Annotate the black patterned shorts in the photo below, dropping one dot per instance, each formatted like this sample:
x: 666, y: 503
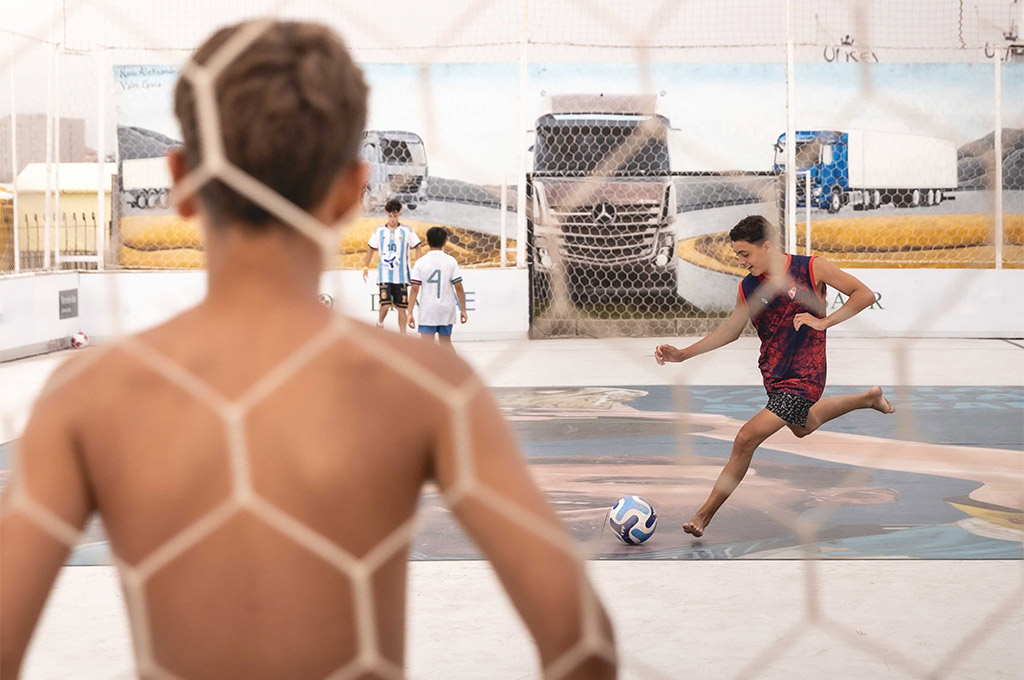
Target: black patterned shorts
x: 396, y: 294
x: 790, y: 407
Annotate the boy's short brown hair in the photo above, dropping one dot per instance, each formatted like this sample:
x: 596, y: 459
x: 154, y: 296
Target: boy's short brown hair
x: 292, y: 108
x: 754, y: 229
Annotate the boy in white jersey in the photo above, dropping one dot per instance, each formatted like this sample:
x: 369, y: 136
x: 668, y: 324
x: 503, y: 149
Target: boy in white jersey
x: 394, y: 243
x: 438, y: 274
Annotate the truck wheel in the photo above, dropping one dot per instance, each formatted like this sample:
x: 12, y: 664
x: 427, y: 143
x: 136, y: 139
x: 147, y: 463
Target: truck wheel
x: 931, y: 197
x: 876, y: 201
x: 939, y: 197
x: 835, y: 200
x: 864, y: 202
x: 410, y: 206
x: 915, y: 198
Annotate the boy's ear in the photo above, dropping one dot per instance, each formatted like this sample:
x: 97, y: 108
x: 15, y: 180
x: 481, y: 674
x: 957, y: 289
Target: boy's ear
x: 186, y: 205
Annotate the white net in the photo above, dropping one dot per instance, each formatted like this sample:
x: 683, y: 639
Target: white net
x: 604, y: 154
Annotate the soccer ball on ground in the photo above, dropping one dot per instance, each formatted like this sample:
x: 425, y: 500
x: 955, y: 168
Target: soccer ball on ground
x: 79, y: 340
x: 633, y: 519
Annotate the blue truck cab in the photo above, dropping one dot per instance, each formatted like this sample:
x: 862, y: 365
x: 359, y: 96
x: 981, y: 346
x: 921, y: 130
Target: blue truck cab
x: 869, y: 168
x: 824, y: 154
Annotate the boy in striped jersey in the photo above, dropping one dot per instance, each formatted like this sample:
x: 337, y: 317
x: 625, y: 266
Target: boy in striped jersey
x: 784, y: 297
x: 438, y: 274
x: 394, y: 243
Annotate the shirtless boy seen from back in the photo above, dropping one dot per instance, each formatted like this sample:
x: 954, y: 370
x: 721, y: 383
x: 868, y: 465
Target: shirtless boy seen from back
x: 256, y: 494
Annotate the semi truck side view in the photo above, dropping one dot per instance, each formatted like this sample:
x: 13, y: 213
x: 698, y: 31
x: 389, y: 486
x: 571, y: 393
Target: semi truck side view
x: 602, y: 200
x: 866, y: 169
x: 397, y: 168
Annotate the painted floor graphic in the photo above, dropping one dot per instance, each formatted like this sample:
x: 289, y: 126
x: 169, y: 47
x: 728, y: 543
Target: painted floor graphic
x: 943, y: 478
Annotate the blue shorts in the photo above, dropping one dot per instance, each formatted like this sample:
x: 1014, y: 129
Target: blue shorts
x: 440, y: 330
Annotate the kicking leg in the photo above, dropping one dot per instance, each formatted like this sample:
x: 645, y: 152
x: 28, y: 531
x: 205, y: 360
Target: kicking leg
x: 382, y: 314
x: 833, y: 407
x: 750, y: 436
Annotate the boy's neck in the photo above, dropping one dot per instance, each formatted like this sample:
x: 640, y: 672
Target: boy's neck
x: 777, y: 263
x: 251, y: 270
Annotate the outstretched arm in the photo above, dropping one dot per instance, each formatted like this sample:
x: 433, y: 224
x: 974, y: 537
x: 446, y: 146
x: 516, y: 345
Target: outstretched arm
x: 728, y: 332
x: 46, y: 504
x: 860, y: 297
x: 485, y: 479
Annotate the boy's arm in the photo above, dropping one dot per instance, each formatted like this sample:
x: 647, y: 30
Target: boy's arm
x: 730, y: 330
x: 366, y: 262
x: 860, y: 297
x: 481, y: 472
x: 460, y: 293
x: 43, y: 510
x: 414, y: 291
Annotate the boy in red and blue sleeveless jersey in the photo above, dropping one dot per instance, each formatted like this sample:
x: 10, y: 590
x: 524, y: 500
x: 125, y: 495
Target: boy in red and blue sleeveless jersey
x: 784, y: 297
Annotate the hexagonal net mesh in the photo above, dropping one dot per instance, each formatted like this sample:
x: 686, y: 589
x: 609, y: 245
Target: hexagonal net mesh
x: 606, y: 153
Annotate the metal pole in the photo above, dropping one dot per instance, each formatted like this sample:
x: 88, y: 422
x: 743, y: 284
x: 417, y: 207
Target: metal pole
x: 48, y: 216
x: 101, y: 161
x: 807, y: 212
x: 790, y: 138
x: 14, y: 164
x: 521, y: 143
x: 504, y: 219
x: 60, y: 230
x: 997, y: 63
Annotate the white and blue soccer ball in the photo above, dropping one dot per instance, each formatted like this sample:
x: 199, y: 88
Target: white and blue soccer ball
x: 633, y: 520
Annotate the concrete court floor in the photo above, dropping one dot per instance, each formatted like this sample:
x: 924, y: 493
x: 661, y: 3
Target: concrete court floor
x: 769, y: 618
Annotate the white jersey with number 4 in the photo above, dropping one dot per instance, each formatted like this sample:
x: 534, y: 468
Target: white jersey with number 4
x: 437, y: 272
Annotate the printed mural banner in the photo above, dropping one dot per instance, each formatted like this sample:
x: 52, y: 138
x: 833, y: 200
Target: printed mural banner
x: 464, y: 198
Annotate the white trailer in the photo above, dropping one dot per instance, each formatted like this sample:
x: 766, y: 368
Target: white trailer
x: 892, y: 160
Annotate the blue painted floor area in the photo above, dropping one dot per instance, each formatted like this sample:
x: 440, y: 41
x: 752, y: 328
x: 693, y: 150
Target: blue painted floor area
x: 590, y: 446
x: 964, y: 416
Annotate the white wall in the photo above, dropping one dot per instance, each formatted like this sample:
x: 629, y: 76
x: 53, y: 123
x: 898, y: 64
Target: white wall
x: 30, y: 313
x: 912, y: 303
x: 497, y: 301
x: 115, y: 303
x: 969, y: 303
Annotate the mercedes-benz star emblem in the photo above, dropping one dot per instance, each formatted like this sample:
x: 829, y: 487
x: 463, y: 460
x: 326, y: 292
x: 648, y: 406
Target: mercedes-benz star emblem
x: 604, y: 213
x: 325, y: 299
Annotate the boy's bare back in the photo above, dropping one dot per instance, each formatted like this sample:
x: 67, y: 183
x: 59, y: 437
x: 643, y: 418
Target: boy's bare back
x: 257, y: 460
x: 242, y: 474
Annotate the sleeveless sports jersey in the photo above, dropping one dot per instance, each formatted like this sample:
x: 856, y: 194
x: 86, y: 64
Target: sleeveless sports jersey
x: 791, y: 361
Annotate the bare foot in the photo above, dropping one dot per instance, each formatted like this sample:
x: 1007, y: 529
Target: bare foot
x: 878, y: 400
x: 696, y: 527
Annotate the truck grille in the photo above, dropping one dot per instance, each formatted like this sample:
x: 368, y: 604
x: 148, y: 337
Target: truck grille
x: 606, y: 233
x: 406, y: 184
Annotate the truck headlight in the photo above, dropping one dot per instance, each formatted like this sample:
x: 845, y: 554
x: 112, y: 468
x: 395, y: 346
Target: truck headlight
x: 816, y: 191
x: 544, y: 257
x: 663, y: 256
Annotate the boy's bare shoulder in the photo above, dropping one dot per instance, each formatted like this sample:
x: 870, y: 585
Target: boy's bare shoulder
x: 93, y: 376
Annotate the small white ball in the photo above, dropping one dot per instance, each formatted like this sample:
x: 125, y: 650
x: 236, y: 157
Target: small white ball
x: 79, y: 340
